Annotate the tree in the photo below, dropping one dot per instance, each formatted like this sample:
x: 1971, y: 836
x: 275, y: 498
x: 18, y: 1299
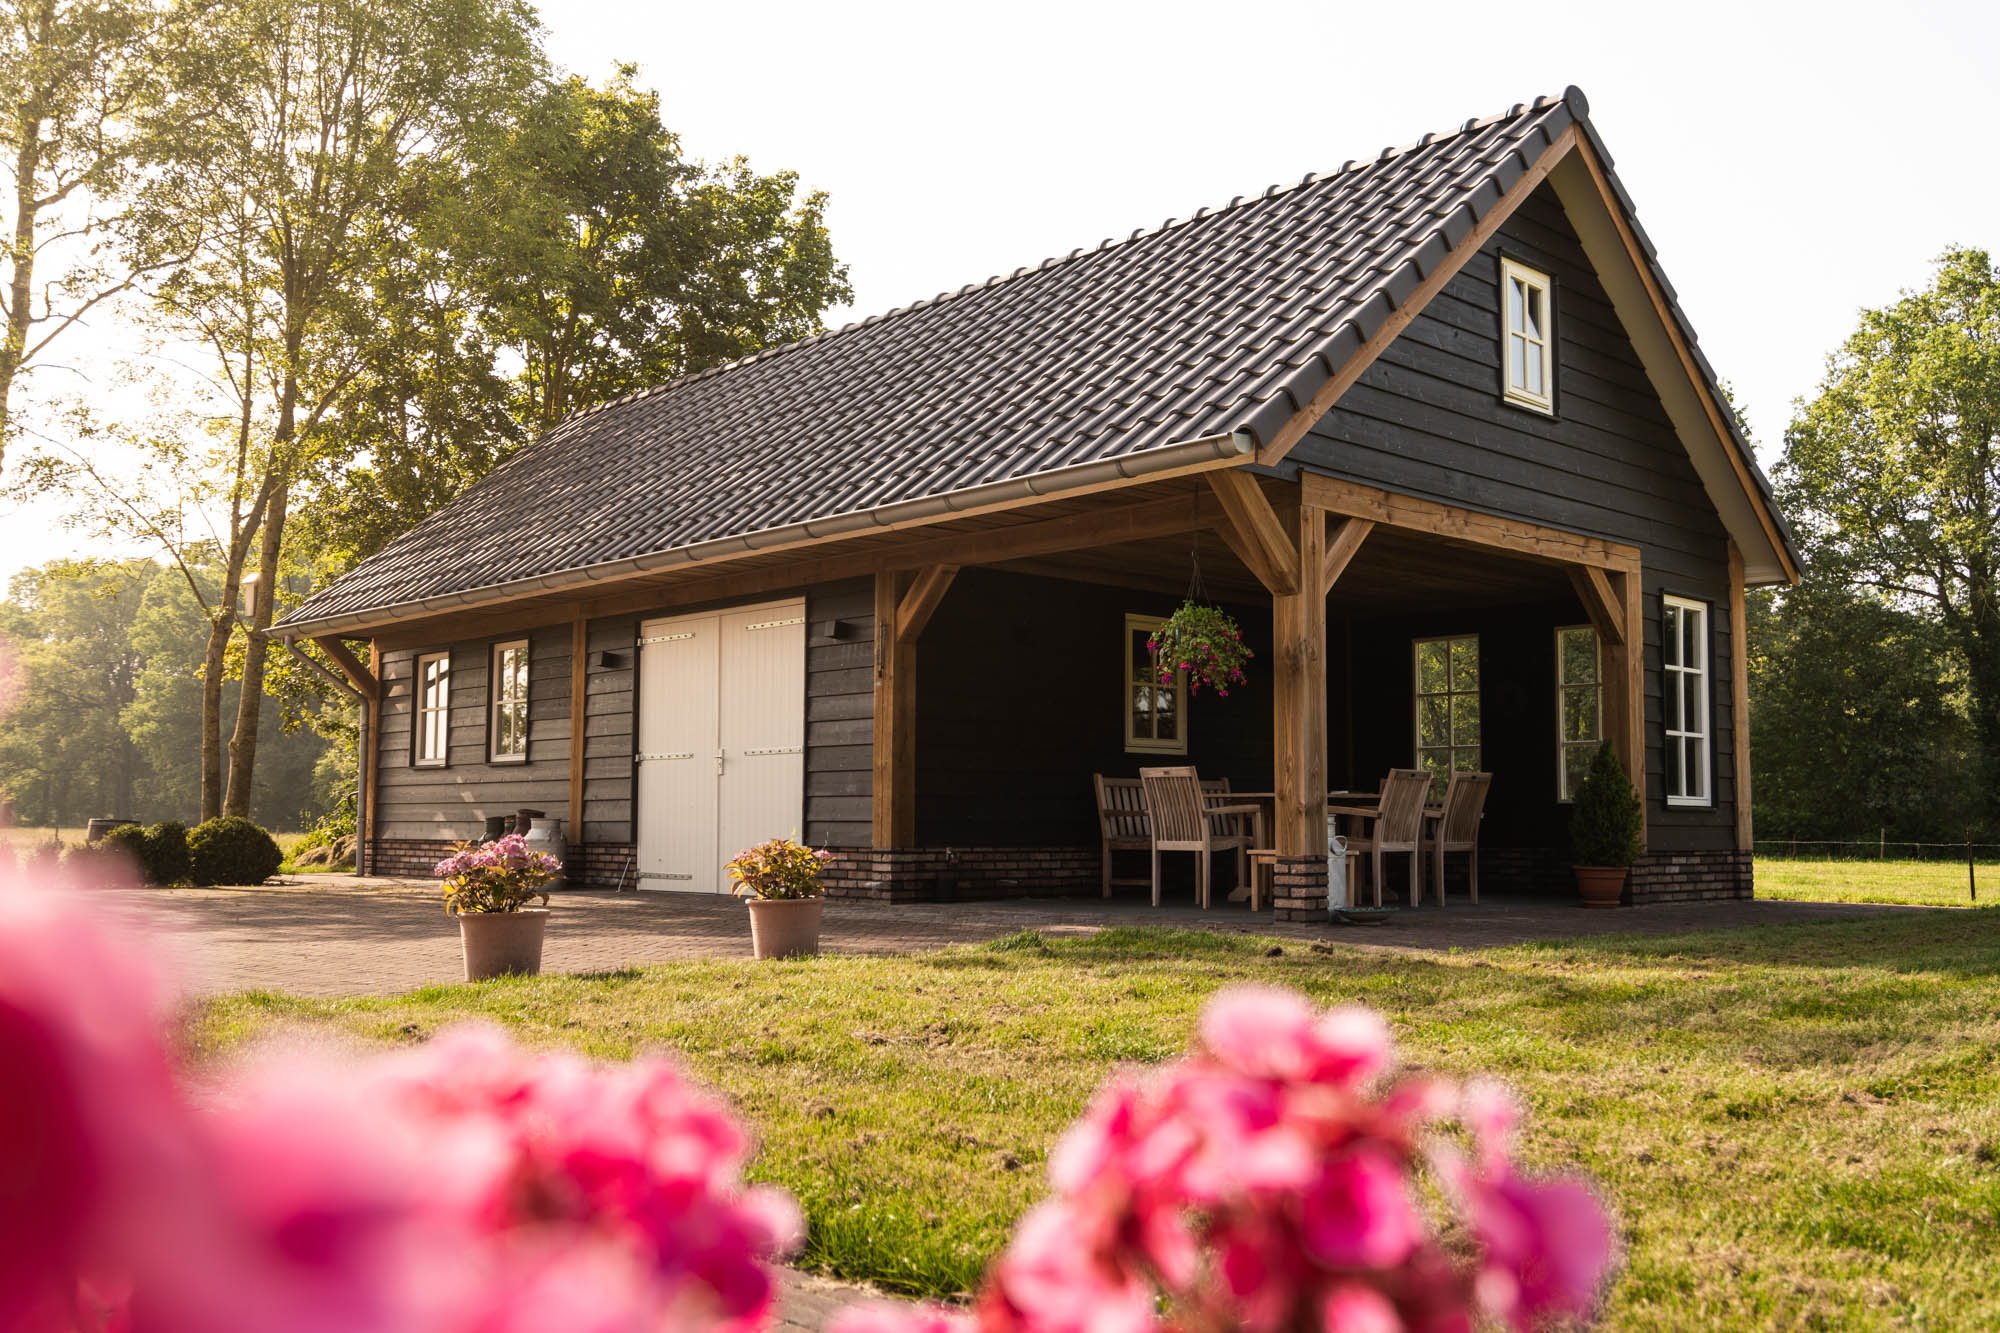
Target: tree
x: 1892, y: 473
x: 613, y: 263
x: 329, y: 113
x: 86, y: 100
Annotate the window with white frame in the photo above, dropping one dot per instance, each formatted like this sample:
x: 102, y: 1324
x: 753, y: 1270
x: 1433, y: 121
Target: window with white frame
x: 1155, y: 710
x: 1529, y: 336
x: 507, y: 726
x: 1684, y: 699
x: 433, y: 720
x: 1447, y: 688
x: 1579, y: 706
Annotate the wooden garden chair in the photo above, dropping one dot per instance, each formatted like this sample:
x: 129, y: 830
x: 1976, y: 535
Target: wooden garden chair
x: 1395, y: 827
x: 1184, y: 819
x: 1456, y: 828
x: 1121, y: 823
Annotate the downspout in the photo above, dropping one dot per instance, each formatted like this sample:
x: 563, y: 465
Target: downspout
x: 1189, y: 454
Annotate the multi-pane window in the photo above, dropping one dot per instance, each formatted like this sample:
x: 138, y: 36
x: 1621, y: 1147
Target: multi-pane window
x: 1579, y: 706
x: 1529, y: 336
x: 1155, y: 712
x: 1684, y: 699
x: 433, y: 720
x: 507, y: 728
x: 1448, y: 707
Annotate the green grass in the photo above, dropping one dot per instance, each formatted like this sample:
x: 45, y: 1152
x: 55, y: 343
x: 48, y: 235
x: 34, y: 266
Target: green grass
x: 1917, y: 883
x: 1795, y: 1126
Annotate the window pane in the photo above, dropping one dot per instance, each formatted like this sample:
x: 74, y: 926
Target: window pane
x: 1434, y: 720
x: 1515, y: 319
x: 1691, y: 718
x: 1536, y: 384
x: 1517, y: 374
x: 1671, y: 755
x: 1691, y: 765
x: 1142, y: 657
x: 1433, y: 667
x: 1166, y: 714
x: 1691, y: 638
x: 1466, y: 761
x: 1465, y: 665
x: 1579, y: 656
x: 1142, y: 712
x: 1465, y: 719
x: 1670, y: 636
x: 1579, y: 713
x: 1576, y: 762
x: 1534, y: 304
x: 1435, y: 762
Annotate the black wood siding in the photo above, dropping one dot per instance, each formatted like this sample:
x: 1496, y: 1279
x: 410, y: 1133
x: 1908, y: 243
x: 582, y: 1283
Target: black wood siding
x: 1427, y: 419
x: 840, y: 714
x: 454, y: 801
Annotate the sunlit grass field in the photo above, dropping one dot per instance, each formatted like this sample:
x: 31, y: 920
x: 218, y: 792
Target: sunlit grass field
x: 1919, y: 883
x: 1795, y: 1125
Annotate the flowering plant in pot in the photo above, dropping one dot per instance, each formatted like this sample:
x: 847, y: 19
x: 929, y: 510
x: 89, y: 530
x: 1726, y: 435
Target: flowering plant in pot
x: 488, y: 886
x: 1205, y: 642
x: 1605, y: 827
x: 780, y: 878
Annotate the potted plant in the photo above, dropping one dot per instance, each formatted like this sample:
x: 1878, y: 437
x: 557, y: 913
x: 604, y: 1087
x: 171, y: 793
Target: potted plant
x: 487, y: 886
x: 1205, y: 642
x: 781, y: 881
x: 1604, y: 831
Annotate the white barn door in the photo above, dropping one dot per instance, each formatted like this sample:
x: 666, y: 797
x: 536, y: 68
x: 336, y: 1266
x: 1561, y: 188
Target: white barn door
x: 721, y: 740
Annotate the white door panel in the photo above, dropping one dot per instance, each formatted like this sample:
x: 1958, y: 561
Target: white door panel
x: 679, y: 667
x: 721, y: 740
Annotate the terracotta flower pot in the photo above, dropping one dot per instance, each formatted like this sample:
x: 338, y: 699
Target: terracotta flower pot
x: 1601, y: 886
x: 498, y: 943
x: 784, y: 927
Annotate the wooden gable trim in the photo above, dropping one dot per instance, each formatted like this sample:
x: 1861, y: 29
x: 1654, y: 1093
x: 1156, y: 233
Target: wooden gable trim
x: 1711, y: 406
x: 1302, y: 421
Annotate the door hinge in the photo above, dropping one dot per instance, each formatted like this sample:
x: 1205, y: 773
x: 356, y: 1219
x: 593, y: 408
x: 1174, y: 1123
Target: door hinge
x: 662, y: 874
x: 776, y: 624
x: 642, y: 758
x: 783, y: 749
x: 666, y: 638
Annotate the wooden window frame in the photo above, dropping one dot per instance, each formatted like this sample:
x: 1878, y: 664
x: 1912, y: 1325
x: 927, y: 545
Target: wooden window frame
x: 494, y: 702
x: 1135, y: 674
x: 419, y: 687
x: 1535, y: 399
x: 1418, y: 694
x: 1704, y: 673
x: 1563, y: 743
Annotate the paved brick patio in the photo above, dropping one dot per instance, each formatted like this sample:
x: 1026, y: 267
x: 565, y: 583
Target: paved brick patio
x: 345, y: 936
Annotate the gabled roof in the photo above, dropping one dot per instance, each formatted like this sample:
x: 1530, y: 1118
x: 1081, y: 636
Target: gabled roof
x: 1216, y: 329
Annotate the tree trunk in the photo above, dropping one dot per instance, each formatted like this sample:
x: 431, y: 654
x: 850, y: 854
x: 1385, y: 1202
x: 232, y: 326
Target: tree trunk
x: 21, y: 282
x: 250, y: 701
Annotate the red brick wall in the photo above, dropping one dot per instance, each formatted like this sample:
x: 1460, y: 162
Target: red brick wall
x: 940, y: 874
x: 1681, y: 877
x: 1299, y: 888
x: 594, y: 866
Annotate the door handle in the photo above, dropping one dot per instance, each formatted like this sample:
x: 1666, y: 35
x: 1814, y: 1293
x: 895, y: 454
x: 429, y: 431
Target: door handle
x: 718, y: 763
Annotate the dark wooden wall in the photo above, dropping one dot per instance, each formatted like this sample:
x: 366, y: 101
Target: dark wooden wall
x: 454, y: 801
x: 840, y: 714
x: 1427, y: 419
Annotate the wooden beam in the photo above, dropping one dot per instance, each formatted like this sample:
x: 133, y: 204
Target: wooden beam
x: 1739, y: 694
x: 922, y: 600
x: 364, y: 680
x: 1710, y: 406
x: 369, y: 763
x: 1261, y: 540
x: 1529, y: 541
x: 1307, y: 417
x: 894, y: 787
x: 1600, y: 601
x: 1341, y: 545
x: 579, y: 681
x: 1625, y: 680
x: 1298, y: 624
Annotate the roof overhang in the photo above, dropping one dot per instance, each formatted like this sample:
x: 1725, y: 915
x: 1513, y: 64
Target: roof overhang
x: 1186, y: 457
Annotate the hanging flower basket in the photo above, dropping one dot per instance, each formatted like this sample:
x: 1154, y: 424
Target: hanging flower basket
x: 1203, y: 641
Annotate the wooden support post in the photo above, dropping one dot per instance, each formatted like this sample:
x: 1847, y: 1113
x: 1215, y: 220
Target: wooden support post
x: 369, y: 764
x: 1298, y: 623
x: 579, y: 680
x: 895, y: 775
x: 1739, y: 693
x: 1625, y: 673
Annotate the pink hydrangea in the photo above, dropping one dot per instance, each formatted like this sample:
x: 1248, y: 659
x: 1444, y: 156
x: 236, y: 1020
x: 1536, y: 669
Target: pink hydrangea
x: 1269, y: 1182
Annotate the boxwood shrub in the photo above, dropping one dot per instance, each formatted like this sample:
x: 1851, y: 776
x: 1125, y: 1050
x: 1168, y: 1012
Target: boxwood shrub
x: 232, y: 850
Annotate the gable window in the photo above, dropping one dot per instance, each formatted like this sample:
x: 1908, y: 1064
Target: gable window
x: 1684, y: 699
x: 507, y: 727
x: 1529, y: 336
x: 1447, y: 707
x: 433, y: 729
x: 1579, y: 706
x: 1155, y: 713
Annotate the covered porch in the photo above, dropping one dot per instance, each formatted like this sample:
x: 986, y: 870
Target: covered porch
x: 1387, y: 632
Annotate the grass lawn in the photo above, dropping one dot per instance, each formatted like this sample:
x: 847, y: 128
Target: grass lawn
x: 1796, y: 1126
x: 1920, y: 883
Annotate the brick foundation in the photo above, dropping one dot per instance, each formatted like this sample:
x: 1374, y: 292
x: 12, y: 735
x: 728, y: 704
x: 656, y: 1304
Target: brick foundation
x: 948, y: 874
x: 1298, y: 890
x: 1686, y: 877
x: 596, y: 866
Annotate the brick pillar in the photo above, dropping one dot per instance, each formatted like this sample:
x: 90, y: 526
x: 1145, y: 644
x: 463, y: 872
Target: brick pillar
x: 1299, y: 889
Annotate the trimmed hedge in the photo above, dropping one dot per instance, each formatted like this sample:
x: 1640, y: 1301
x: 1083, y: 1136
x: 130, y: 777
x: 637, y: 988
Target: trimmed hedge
x: 232, y: 850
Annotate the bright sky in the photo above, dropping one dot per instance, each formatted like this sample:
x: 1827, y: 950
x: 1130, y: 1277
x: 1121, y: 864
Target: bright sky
x: 1792, y: 163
